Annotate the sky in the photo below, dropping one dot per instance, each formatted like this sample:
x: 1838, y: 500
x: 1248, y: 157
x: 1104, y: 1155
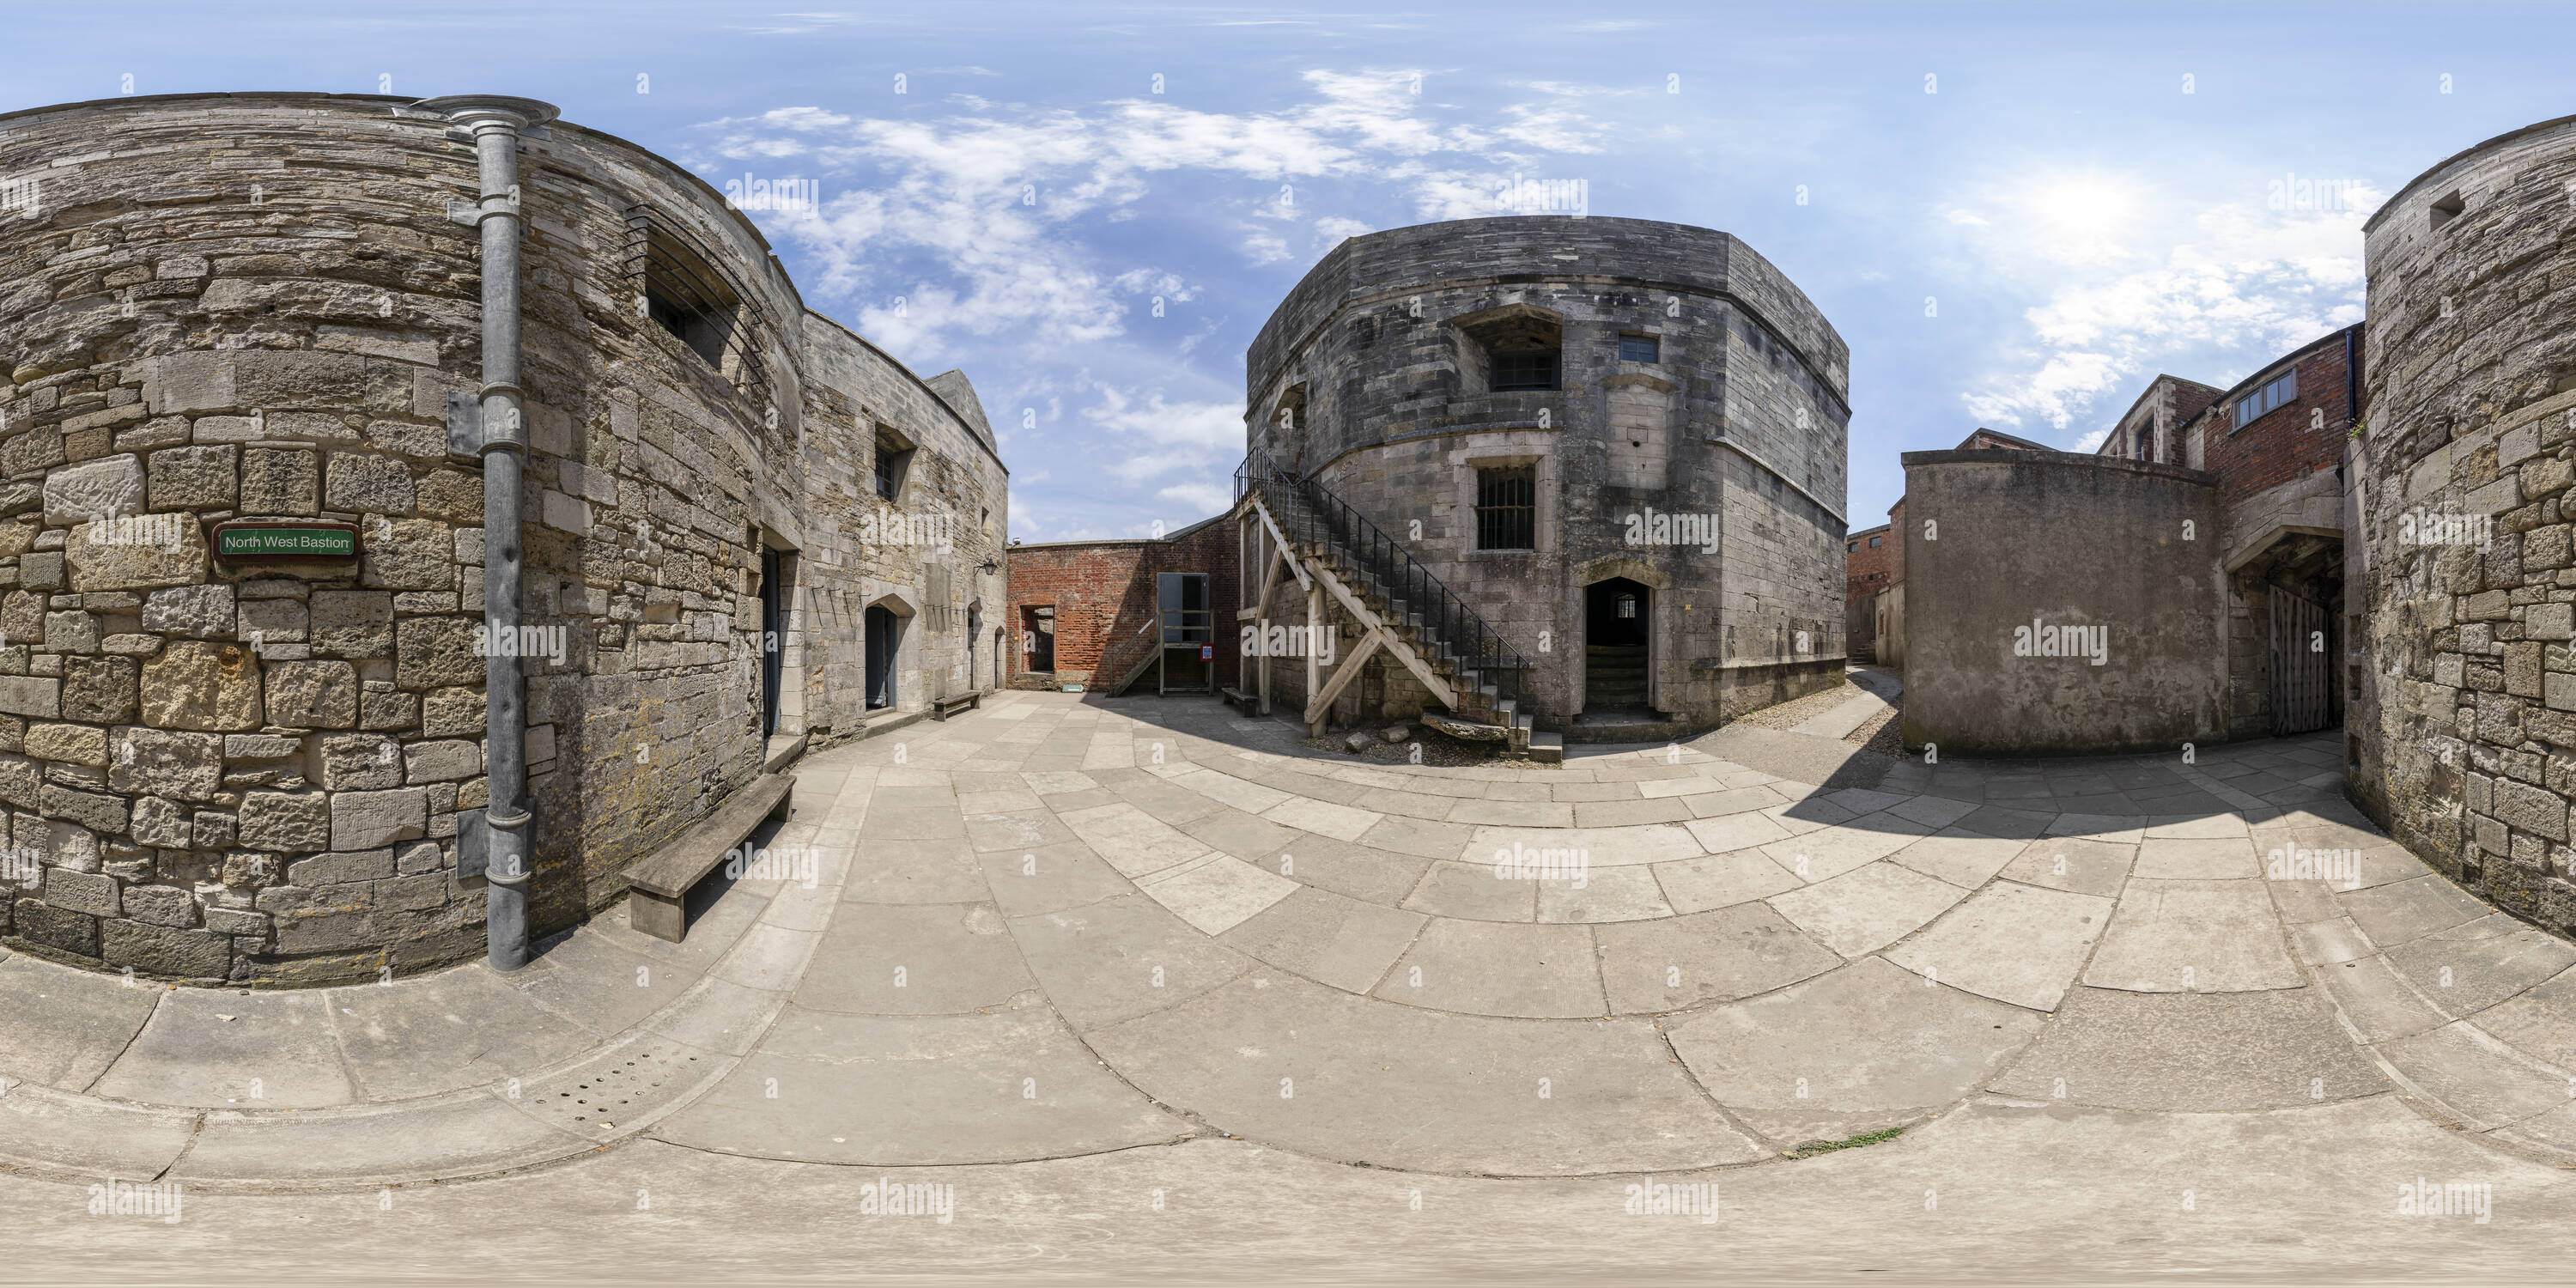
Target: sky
x: 2015, y: 215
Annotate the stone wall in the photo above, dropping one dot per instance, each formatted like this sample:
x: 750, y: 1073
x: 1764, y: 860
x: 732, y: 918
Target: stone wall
x: 2026, y: 544
x: 1375, y: 363
x: 2463, y: 737
x: 253, y: 306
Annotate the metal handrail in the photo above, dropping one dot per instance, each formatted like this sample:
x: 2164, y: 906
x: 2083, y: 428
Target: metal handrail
x: 1308, y: 512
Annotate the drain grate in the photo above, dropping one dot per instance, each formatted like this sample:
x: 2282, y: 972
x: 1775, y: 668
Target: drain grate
x: 621, y: 1088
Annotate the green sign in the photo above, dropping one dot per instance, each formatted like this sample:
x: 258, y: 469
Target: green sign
x: 308, y: 543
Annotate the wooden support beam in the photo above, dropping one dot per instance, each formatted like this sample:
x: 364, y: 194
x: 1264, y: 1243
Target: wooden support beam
x: 1314, y: 665
x: 1342, y: 676
x: 1403, y: 652
x: 1295, y: 565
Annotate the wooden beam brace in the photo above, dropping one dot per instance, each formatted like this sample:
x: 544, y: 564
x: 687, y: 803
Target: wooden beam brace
x: 1403, y: 652
x: 1343, y: 674
x: 1294, y: 565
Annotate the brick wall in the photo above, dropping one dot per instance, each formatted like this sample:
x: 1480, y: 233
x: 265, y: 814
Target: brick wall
x: 2288, y: 442
x: 1865, y: 573
x: 1103, y: 593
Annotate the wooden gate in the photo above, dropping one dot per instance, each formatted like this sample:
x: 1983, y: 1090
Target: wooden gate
x: 2301, y: 653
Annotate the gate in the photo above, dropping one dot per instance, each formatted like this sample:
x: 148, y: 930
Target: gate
x: 2302, y: 650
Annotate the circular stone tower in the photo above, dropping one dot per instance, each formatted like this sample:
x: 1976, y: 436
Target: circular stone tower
x: 2462, y: 737
x: 1620, y: 441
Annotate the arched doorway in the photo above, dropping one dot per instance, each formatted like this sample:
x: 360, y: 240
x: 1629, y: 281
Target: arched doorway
x: 1616, y: 644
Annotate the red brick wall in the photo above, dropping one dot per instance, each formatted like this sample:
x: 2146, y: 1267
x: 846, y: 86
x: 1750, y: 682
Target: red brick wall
x: 1103, y: 596
x: 2284, y: 444
x: 1865, y: 571
x: 1896, y: 542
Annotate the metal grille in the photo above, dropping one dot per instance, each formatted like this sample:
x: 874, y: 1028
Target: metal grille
x: 1507, y: 508
x: 677, y: 285
x: 1524, y: 371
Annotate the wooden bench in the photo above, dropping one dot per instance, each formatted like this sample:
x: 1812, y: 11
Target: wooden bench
x: 1248, y: 703
x: 942, y: 708
x: 658, y: 885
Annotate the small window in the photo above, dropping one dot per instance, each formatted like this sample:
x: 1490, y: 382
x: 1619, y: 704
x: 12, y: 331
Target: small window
x: 1627, y: 606
x: 1507, y: 508
x: 2273, y: 394
x: 1640, y: 348
x: 1524, y: 371
x: 687, y: 293
x: 1873, y: 542
x: 2447, y: 209
x: 1853, y: 548
x: 894, y: 460
x: 2145, y: 448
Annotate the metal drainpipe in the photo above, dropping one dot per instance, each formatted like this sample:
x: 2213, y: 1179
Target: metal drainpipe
x: 494, y: 121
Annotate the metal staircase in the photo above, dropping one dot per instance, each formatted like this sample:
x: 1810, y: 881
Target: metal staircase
x: 1464, y: 662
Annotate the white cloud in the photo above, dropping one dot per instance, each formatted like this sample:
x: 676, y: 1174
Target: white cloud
x: 1199, y: 499
x: 2092, y: 441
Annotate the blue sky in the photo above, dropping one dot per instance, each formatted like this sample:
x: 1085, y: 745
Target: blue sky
x: 2091, y: 193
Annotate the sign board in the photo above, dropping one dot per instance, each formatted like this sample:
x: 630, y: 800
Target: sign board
x: 1207, y: 652
x: 286, y: 541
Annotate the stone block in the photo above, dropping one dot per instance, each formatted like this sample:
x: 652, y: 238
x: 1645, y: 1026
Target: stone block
x: 280, y: 482
x: 248, y: 869
x: 96, y: 489
x: 78, y: 744
x: 2549, y: 622
x: 434, y: 652
x: 161, y: 762
x: 352, y: 623
x: 161, y: 824
x: 291, y: 822
x: 313, y: 695
x: 260, y: 746
x: 2522, y: 669
x: 161, y: 905
x: 388, y: 709
x: 262, y: 622
x: 212, y: 830
x: 361, y: 761
x: 325, y: 932
x: 89, y: 809
x: 448, y: 713
x: 29, y: 695
x: 163, y: 950
x: 2531, y: 809
x: 93, y: 893
x: 362, y: 820
x: 418, y: 857
x: 368, y: 484
x: 99, y: 690
x: 206, y: 612
x: 43, y: 569
x: 340, y: 868
x: 451, y: 495
x: 204, y: 686
x: 71, y: 632
x: 21, y: 780
x: 408, y: 554
x: 237, y: 921
x: 114, y: 565
x: 56, y: 928
x: 299, y: 378
x: 194, y: 478
x: 442, y: 762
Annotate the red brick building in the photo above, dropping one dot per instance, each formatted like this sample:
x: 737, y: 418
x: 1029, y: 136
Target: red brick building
x: 1865, y: 574
x: 1085, y: 612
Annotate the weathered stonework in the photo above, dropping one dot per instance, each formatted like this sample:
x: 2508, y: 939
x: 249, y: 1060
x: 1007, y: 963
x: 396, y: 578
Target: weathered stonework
x: 253, y: 306
x: 2462, y: 733
x: 1382, y: 365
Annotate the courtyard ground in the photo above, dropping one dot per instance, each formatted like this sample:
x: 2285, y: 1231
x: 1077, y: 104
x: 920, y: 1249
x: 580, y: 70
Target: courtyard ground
x: 1101, y: 989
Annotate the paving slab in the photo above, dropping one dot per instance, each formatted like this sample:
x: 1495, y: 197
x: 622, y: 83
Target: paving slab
x: 1359, y: 871
x: 717, y: 1016
x: 593, y: 980
x: 1050, y: 878
x: 1962, y: 859
x: 63, y: 1027
x: 1729, y: 832
x: 2076, y: 864
x: 2477, y: 964
x: 2403, y: 911
x: 1120, y: 958
x: 1286, y: 1062
x: 1867, y: 908
x: 1721, y: 880
x: 2540, y: 1022
x: 2193, y: 937
x: 1025, y: 830
x: 1687, y: 961
x: 1330, y: 938
x: 52, y: 1130
x: 226, y: 1047
x: 1832, y: 851
x: 460, y: 1134
x: 2475, y: 1076
x: 913, y: 959
x: 769, y: 957
x: 2192, y: 1053
x: 919, y: 1091
x: 1498, y: 968
x: 1473, y: 892
x: 1216, y: 895
x: 1864, y: 1047
x: 1627, y: 893
x: 457, y: 1028
x: 1131, y: 840
x: 2206, y: 859
x: 2010, y: 942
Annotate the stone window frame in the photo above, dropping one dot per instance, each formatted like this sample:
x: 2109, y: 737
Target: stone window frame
x: 890, y: 457
x: 1466, y: 461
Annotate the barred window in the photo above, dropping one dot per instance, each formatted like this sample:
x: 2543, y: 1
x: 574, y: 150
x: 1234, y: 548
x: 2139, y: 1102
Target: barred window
x: 1640, y: 348
x: 1507, y: 508
x: 1524, y: 371
x: 686, y: 292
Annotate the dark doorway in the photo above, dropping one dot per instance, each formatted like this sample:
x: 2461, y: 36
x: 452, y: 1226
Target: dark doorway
x: 773, y: 629
x: 1037, y: 636
x: 1615, y: 617
x: 883, y: 626
x: 974, y: 632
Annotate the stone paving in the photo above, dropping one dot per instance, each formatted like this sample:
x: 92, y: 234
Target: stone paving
x: 1059, y: 927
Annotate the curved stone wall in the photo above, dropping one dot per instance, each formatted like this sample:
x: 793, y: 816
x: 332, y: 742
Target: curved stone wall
x: 254, y: 306
x: 2061, y: 603
x: 2463, y: 732
x: 1381, y: 364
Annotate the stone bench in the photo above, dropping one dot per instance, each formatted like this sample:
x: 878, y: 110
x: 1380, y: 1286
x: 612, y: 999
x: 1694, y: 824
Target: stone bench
x: 1248, y: 703
x: 658, y: 885
x: 942, y: 708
